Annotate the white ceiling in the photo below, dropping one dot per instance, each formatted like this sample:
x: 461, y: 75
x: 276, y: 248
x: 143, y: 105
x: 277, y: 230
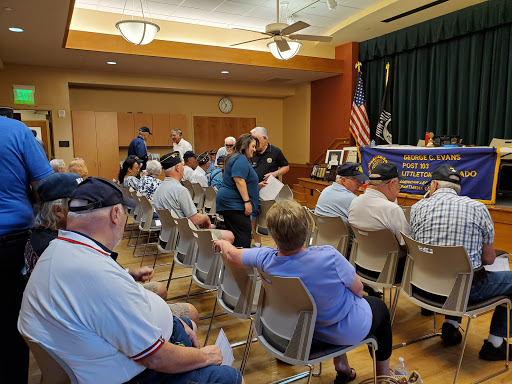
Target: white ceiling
x: 249, y: 14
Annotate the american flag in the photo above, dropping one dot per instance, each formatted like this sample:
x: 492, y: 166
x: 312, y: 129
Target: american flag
x: 359, y: 124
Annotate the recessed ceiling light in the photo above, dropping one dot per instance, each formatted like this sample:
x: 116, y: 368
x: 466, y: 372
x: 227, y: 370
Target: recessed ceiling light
x: 111, y: 62
x: 224, y: 72
x: 13, y: 29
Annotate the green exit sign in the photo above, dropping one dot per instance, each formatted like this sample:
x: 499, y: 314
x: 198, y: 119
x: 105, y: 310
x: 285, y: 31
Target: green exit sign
x: 24, y: 94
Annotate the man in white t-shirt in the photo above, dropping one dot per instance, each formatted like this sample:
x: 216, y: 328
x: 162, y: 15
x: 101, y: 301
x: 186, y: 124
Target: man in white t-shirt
x: 199, y: 174
x: 179, y: 143
x: 190, y: 161
x: 83, y: 306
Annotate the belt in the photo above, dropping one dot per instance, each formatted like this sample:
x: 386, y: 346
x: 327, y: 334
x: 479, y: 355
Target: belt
x: 479, y: 274
x: 13, y: 236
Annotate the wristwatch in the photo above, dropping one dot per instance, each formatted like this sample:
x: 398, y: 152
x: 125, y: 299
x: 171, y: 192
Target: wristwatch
x: 248, y: 201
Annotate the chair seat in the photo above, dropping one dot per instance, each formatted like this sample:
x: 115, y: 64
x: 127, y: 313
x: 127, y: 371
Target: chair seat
x: 319, y: 349
x: 491, y: 303
x: 262, y: 231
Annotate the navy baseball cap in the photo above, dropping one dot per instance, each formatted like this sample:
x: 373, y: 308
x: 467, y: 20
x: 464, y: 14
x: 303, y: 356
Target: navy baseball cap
x: 445, y: 172
x: 385, y: 171
x: 99, y: 193
x: 136, y: 158
x: 58, y: 186
x: 169, y: 160
x: 187, y: 155
x: 354, y: 170
x: 203, y: 158
x: 221, y: 159
x: 145, y: 129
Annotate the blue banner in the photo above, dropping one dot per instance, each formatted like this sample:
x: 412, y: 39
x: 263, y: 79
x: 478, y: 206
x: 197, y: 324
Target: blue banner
x: 479, y: 167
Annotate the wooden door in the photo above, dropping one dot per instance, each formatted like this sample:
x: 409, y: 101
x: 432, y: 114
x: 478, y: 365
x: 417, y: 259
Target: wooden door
x: 107, y: 144
x: 84, y: 139
x: 143, y: 120
x: 43, y: 126
x: 125, y: 129
x: 210, y: 132
x: 161, y: 131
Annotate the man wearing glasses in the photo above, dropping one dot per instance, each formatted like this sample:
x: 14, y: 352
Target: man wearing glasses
x: 227, y: 149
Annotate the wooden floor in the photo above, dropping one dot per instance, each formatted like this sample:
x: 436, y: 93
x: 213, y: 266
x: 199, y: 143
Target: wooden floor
x: 434, y: 362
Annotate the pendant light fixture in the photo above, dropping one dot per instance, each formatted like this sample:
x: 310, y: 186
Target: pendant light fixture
x: 135, y: 31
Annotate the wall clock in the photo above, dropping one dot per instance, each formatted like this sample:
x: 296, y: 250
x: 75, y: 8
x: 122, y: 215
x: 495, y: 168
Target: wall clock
x: 225, y: 105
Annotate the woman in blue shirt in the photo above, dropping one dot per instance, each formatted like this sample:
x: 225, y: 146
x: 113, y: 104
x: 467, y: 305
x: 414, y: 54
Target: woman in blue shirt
x: 238, y: 195
x: 344, y: 316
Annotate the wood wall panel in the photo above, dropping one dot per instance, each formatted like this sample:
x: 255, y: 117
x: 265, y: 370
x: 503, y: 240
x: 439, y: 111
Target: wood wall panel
x: 125, y: 129
x: 161, y: 131
x: 84, y: 139
x: 107, y: 144
x: 179, y: 121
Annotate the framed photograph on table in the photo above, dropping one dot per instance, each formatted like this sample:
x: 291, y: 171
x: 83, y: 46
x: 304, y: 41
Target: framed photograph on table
x: 333, y: 158
x: 314, y: 171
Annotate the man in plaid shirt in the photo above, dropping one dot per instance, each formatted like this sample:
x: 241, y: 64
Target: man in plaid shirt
x: 447, y: 219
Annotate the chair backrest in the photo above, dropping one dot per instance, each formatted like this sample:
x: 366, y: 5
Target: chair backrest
x: 207, y: 263
x: 209, y: 200
x: 137, y: 212
x: 285, y: 193
x: 407, y: 212
x: 168, y: 232
x: 261, y: 220
x: 186, y: 250
x: 187, y: 184
x: 285, y: 319
x: 375, y: 251
x: 438, y: 276
x: 311, y: 226
x: 237, y: 286
x: 331, y: 231
x: 199, y: 195
x: 146, y: 219
x: 53, y: 368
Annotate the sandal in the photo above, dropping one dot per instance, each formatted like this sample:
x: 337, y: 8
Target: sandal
x: 343, y: 378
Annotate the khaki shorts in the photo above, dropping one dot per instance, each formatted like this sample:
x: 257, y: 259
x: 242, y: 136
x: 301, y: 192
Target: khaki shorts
x: 177, y: 309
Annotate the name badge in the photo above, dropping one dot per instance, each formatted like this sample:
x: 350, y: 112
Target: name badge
x: 269, y: 160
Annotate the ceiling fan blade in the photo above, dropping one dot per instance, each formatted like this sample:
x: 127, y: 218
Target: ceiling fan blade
x: 294, y: 27
x: 250, y: 41
x: 252, y: 30
x: 321, y: 39
x: 282, y: 44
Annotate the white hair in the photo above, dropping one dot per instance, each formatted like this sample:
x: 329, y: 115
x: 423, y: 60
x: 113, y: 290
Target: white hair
x: 448, y: 184
x: 46, y: 218
x: 56, y: 164
x: 88, y: 215
x: 381, y: 183
x: 153, y: 167
x: 261, y: 130
x: 230, y: 138
x: 178, y: 131
x: 338, y: 178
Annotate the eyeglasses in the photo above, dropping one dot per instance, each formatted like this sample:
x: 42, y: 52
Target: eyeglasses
x: 229, y: 145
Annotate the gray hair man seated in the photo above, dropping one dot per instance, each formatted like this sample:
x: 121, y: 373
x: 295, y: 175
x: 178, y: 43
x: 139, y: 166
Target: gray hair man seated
x: 174, y: 196
x: 90, y: 312
x: 59, y: 165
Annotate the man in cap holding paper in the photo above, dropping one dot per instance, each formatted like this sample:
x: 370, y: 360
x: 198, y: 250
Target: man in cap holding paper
x: 171, y: 194
x: 124, y: 332
x: 138, y: 146
x: 447, y: 219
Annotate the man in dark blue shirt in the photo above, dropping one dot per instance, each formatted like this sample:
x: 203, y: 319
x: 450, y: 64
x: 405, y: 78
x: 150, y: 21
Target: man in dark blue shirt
x: 138, y: 146
x: 23, y: 165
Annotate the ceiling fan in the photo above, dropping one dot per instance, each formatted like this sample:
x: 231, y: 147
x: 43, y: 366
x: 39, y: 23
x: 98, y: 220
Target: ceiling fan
x: 282, y: 33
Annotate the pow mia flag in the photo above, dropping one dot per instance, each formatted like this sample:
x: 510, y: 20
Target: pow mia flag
x: 383, y: 131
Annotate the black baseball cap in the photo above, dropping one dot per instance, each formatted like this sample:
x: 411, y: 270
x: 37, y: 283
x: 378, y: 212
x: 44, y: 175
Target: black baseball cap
x: 99, y: 193
x: 58, y: 186
x: 221, y: 159
x: 355, y: 170
x: 187, y: 155
x: 385, y: 171
x: 213, y: 152
x: 445, y: 172
x: 145, y: 129
x: 203, y: 158
x: 169, y: 160
x: 136, y: 158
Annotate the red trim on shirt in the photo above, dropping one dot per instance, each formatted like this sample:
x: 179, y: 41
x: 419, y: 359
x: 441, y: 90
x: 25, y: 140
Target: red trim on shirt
x: 79, y: 243
x: 149, y: 351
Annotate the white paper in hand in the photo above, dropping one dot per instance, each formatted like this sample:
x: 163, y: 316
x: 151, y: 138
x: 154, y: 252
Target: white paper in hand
x: 272, y: 189
x: 225, y: 348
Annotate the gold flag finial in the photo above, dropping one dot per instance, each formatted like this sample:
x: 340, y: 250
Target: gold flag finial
x: 358, y: 66
x: 387, y: 72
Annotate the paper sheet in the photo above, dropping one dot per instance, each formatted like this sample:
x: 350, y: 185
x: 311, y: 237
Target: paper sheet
x: 272, y: 189
x: 500, y: 264
x: 225, y: 348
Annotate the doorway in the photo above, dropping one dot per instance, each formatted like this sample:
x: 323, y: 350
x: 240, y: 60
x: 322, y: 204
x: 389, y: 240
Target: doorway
x: 39, y: 121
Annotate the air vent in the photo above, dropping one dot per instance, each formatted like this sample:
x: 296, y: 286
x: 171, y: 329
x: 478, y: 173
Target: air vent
x: 415, y: 10
x: 278, y: 80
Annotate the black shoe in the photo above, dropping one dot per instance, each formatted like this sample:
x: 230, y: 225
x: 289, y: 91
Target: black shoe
x: 426, y: 312
x: 450, y: 335
x: 372, y: 292
x: 491, y: 353
x: 343, y: 378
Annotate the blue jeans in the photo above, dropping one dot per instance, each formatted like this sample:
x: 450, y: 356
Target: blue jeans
x: 207, y: 375
x: 496, y: 284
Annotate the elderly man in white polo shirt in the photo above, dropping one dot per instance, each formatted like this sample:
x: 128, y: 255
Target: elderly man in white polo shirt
x: 377, y: 209
x: 227, y: 149
x: 179, y: 143
x: 90, y: 312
